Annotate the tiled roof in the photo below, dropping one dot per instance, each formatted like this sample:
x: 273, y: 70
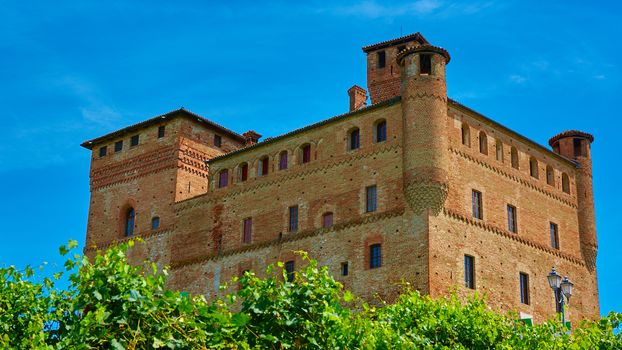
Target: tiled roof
x: 571, y: 133
x: 417, y: 36
x: 293, y: 132
x: 423, y: 48
x: 181, y: 112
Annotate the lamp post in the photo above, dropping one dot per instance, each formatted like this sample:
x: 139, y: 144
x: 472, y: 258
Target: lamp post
x: 562, y: 289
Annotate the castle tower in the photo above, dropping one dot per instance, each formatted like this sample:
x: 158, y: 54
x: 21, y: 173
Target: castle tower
x: 424, y: 114
x: 576, y: 145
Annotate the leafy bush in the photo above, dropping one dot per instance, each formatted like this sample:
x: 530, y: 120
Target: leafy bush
x: 111, y: 304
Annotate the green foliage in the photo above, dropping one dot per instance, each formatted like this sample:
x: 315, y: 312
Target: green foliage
x: 111, y: 304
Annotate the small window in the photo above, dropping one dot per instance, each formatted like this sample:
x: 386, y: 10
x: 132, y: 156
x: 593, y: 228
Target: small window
x: 223, y: 178
x: 371, y: 202
x: 155, y: 222
x: 478, y: 208
x: 306, y: 154
x: 380, y: 131
x: 161, y: 131
x: 103, y: 151
x: 578, y: 149
x: 129, y: 222
x: 425, y: 64
x: 262, y: 169
x: 524, y: 288
x: 289, y: 270
x: 512, y: 223
x: 466, y: 135
x: 134, y: 141
x: 514, y: 156
x: 499, y: 150
x: 217, y: 141
x: 565, y: 183
x: 469, y: 271
x: 553, y: 229
x: 354, y: 139
x: 550, y: 175
x: 293, y: 219
x: 344, y: 269
x: 283, y: 160
x: 375, y: 256
x: 247, y: 230
x: 533, y: 167
x: 243, y: 172
x: 118, y: 146
x: 327, y: 220
x: 382, y: 59
x: 401, y: 48
x: 483, y: 143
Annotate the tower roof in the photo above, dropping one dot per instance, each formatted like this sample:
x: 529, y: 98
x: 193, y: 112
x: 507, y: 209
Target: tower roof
x: 571, y: 133
x: 405, y: 39
x: 181, y: 112
x: 424, y: 48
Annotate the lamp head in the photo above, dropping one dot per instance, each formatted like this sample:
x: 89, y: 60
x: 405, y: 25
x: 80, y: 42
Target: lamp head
x: 555, y: 279
x: 566, y: 286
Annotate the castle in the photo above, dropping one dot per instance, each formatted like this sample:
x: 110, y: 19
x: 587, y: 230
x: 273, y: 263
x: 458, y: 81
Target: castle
x: 415, y: 187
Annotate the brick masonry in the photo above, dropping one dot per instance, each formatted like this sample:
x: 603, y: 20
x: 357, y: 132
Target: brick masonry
x: 424, y: 172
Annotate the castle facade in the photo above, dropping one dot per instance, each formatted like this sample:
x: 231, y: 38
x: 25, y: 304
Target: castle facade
x: 414, y: 187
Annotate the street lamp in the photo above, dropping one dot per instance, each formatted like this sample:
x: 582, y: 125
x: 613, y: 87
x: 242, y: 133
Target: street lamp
x: 562, y: 289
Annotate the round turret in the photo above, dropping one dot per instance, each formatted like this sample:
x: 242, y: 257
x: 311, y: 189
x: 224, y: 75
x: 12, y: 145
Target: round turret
x: 576, y: 145
x: 424, y: 113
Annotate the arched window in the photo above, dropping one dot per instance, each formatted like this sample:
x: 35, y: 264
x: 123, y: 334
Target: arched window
x: 533, y: 167
x: 354, y: 139
x: 283, y: 160
x: 129, y: 222
x: 327, y: 219
x: 499, y: 150
x: 223, y: 178
x: 243, y: 172
x: 262, y: 166
x: 550, y: 175
x: 380, y: 131
x: 565, y: 183
x: 305, y: 154
x: 155, y: 222
x: 514, y: 156
x: 466, y: 135
x: 483, y: 143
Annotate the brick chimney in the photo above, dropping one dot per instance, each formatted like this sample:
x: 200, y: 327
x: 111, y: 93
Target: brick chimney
x: 251, y: 137
x: 358, y: 97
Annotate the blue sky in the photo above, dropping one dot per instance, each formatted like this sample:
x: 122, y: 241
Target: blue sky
x: 71, y: 71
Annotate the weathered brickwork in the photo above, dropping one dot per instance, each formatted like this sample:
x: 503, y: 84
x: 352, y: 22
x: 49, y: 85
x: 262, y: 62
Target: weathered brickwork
x: 418, y: 152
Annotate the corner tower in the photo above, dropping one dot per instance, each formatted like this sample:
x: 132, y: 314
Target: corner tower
x: 424, y: 115
x: 576, y: 145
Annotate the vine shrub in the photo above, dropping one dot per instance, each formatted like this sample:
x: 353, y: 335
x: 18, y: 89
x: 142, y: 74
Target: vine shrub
x: 110, y: 304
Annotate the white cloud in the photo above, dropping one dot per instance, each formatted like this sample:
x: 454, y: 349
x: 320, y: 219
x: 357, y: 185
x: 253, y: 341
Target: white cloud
x: 517, y: 78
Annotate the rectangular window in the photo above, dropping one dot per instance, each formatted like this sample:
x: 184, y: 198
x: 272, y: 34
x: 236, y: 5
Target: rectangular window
x: 469, y: 271
x: 344, y: 268
x: 425, y: 64
x: 355, y: 141
x: 578, y: 151
x: 118, y: 146
x: 244, y: 172
x: 217, y: 140
x: 289, y: 269
x: 134, y: 141
x: 161, y: 131
x: 293, y: 219
x: 283, y: 160
x: 554, y: 235
x: 247, y: 234
x: 375, y: 256
x: 327, y: 220
x: 371, y: 200
x: 306, y: 154
x: 103, y: 151
x: 264, y: 166
x: 478, y: 210
x: 223, y: 178
x: 512, y: 224
x: 382, y: 59
x: 524, y: 288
